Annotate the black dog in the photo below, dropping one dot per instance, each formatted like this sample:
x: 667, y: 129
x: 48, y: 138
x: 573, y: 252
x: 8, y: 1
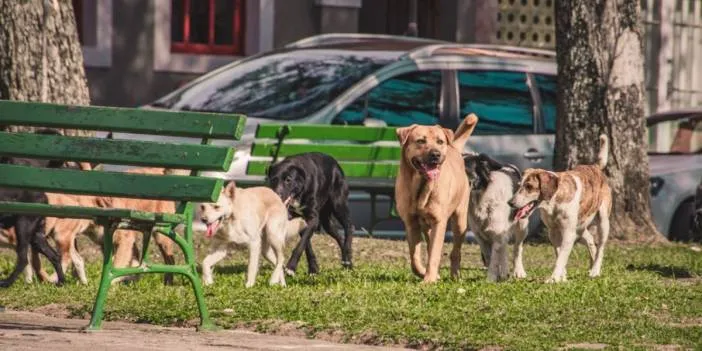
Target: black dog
x: 29, y: 230
x: 315, y: 185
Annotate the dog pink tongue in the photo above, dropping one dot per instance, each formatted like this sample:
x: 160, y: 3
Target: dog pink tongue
x: 433, y: 174
x: 212, y: 229
x: 521, y: 213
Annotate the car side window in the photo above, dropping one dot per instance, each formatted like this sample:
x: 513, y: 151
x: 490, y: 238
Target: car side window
x: 399, y: 101
x: 501, y: 99
x: 548, y: 87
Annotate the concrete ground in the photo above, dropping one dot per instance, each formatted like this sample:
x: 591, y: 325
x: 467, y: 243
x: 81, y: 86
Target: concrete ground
x: 33, y: 331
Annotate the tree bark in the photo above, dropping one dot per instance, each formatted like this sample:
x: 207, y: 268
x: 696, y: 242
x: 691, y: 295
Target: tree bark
x: 601, y: 91
x: 21, y: 42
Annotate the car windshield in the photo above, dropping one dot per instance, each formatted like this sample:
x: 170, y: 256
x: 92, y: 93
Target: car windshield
x: 677, y: 136
x: 282, y: 86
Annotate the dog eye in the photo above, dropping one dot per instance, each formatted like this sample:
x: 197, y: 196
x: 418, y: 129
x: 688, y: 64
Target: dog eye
x: 216, y: 207
x: 421, y: 141
x: 440, y: 142
x: 287, y: 180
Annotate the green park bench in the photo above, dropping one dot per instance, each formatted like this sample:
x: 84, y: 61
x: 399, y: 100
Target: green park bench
x: 369, y: 156
x: 183, y: 189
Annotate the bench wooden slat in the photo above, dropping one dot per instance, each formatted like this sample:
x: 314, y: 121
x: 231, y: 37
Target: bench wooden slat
x: 127, y: 120
x: 324, y: 132
x: 159, y: 187
x: 341, y: 152
x: 123, y: 152
x: 351, y: 169
x: 88, y: 212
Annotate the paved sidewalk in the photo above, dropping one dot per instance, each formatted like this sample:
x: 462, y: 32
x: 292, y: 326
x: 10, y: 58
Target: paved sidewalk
x: 32, y: 331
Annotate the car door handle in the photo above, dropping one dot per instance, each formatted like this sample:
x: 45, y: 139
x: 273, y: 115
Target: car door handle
x: 533, y: 154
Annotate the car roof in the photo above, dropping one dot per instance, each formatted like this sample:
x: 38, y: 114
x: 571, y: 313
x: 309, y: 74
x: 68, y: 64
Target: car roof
x: 416, y: 48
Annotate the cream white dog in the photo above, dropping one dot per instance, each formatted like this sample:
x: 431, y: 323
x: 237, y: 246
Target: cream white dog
x: 254, y: 217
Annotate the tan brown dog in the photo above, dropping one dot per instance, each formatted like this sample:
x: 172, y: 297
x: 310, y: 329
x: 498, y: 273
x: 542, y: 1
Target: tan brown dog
x: 568, y: 203
x: 432, y: 189
x: 65, y: 230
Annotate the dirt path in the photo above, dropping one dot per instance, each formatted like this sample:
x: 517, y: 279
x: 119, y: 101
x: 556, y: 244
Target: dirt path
x: 32, y: 331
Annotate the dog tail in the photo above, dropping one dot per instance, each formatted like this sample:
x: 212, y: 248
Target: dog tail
x: 464, y: 131
x: 603, y: 155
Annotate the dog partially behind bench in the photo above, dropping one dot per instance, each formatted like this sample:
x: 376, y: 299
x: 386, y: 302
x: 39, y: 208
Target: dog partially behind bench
x: 571, y: 204
x: 65, y: 230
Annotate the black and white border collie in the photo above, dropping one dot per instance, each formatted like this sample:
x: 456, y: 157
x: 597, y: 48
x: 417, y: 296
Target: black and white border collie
x: 491, y: 218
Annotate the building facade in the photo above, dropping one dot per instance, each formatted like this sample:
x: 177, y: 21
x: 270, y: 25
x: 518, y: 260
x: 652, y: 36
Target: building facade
x: 136, y: 51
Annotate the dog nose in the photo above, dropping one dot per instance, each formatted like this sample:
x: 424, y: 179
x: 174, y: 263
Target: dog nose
x: 204, y: 220
x: 511, y: 203
x: 434, y: 154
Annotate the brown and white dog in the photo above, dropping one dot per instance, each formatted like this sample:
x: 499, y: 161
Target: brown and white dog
x: 65, y: 230
x: 432, y: 190
x: 569, y: 202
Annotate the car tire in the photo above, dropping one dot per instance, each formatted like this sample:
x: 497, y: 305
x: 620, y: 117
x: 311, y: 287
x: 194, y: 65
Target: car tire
x: 681, y: 226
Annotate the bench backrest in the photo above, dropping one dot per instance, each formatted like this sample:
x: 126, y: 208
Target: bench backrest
x: 194, y: 157
x: 362, y: 152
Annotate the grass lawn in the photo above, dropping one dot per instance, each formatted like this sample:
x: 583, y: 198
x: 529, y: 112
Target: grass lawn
x: 648, y: 297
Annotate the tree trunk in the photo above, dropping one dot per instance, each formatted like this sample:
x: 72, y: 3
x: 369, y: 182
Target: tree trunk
x: 601, y: 87
x: 21, y: 48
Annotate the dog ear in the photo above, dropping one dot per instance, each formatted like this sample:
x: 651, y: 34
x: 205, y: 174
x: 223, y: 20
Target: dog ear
x: 490, y: 163
x: 548, y: 184
x: 404, y: 133
x: 230, y: 189
x: 449, y: 135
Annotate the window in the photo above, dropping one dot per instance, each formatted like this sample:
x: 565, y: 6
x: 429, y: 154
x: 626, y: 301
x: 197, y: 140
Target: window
x: 681, y: 136
x: 400, y: 101
x: 207, y: 26
x: 501, y: 99
x: 78, y: 14
x: 548, y: 87
x: 282, y: 85
x: 94, y: 27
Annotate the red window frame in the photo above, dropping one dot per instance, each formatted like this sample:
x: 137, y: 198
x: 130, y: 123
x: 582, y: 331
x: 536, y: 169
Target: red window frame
x: 237, y: 46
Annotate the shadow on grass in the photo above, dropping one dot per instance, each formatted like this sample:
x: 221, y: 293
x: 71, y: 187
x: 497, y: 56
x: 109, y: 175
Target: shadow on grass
x: 232, y: 269
x: 663, y: 271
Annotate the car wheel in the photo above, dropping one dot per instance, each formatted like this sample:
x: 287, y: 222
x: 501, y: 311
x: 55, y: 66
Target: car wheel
x: 681, y: 226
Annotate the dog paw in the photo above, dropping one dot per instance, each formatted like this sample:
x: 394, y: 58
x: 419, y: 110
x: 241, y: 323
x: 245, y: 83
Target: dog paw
x: 430, y: 280
x: 249, y: 284
x: 519, y: 274
x: 553, y: 280
x: 206, y: 282
x: 289, y: 272
x: 276, y: 282
x: 594, y: 274
x: 347, y: 264
x: 5, y: 283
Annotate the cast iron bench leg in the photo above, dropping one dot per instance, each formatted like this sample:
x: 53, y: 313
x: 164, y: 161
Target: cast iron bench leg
x: 106, y: 279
